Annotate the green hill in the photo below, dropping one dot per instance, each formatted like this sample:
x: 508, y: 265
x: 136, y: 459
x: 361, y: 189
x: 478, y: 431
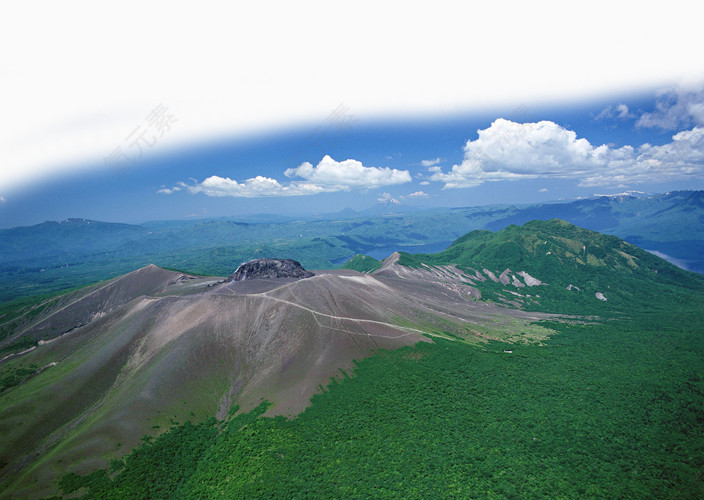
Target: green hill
x: 575, y: 264
x: 362, y: 263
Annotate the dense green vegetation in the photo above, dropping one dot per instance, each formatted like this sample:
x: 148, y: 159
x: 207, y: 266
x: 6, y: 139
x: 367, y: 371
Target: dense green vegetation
x: 607, y: 410
x: 362, y: 263
x: 561, y: 254
x: 12, y: 376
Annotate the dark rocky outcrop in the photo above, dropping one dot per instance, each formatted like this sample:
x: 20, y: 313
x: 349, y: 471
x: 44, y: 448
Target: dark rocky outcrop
x: 269, y: 268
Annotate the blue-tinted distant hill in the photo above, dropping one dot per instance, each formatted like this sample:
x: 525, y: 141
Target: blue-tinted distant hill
x: 56, y: 255
x: 68, y: 237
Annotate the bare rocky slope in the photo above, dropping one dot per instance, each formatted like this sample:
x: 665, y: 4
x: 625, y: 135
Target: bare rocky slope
x: 154, y: 346
x: 269, y: 268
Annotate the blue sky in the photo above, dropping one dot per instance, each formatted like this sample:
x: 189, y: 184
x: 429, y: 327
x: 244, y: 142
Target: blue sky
x: 132, y: 112
x: 533, y: 152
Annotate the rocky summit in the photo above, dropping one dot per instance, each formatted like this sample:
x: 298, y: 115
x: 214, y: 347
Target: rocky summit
x: 269, y: 268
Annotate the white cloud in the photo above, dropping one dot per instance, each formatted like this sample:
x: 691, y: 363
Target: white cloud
x: 255, y: 187
x: 543, y: 190
x: 417, y: 194
x: 680, y: 159
x: 424, y: 183
x: 512, y: 151
x: 2, y: 199
x: 509, y: 150
x: 328, y: 176
x: 675, y: 108
x: 387, y: 199
x: 430, y: 163
x: 344, y: 175
x: 619, y: 111
x: 178, y: 187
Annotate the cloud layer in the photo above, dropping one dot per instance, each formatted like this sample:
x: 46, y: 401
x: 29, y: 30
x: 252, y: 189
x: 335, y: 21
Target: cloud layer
x: 675, y: 108
x: 328, y: 176
x: 513, y: 151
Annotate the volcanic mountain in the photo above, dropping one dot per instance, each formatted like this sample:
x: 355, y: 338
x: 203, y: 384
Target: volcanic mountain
x: 269, y: 268
x: 117, y: 359
x: 123, y: 358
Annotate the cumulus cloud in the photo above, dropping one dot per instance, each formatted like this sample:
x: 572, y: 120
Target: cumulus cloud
x: 344, y: 175
x: 328, y: 176
x: 543, y: 190
x: 509, y: 150
x: 430, y: 163
x: 417, y: 194
x: 680, y: 159
x: 513, y: 151
x: 255, y: 187
x: 675, y: 108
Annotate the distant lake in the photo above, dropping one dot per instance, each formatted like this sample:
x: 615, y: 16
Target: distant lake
x: 696, y: 266
x: 383, y: 252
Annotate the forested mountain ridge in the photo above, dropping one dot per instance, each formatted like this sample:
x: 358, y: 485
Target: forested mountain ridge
x: 583, y: 270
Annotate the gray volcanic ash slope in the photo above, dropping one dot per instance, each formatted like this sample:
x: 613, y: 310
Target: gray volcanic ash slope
x: 157, y: 345
x: 81, y: 307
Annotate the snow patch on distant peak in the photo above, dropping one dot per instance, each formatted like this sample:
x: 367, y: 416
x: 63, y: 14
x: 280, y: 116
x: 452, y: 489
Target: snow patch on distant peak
x: 636, y: 194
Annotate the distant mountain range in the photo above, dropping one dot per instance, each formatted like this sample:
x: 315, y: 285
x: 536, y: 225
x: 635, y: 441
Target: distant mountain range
x: 57, y: 255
